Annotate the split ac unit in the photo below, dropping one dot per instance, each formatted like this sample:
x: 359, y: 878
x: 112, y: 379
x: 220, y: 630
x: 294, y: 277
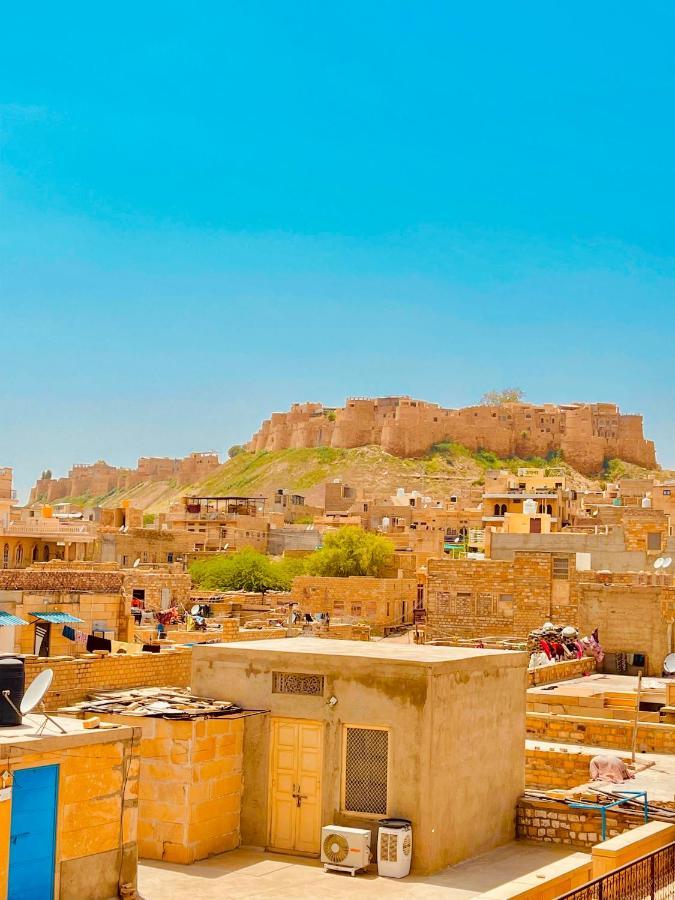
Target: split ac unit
x: 345, y: 849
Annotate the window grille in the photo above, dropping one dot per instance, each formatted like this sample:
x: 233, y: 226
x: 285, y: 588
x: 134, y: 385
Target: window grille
x: 366, y: 770
x: 561, y: 568
x: 297, y: 683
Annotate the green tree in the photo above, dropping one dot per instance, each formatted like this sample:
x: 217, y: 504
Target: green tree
x: 246, y: 570
x: 498, y: 398
x: 235, y: 450
x: 351, y: 551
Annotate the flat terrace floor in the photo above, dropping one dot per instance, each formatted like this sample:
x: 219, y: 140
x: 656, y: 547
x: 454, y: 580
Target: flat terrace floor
x: 653, y: 689
x: 253, y: 874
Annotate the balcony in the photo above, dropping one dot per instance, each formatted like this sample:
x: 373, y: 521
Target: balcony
x: 50, y: 529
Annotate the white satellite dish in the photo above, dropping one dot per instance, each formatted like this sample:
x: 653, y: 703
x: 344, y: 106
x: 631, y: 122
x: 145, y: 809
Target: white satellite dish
x: 137, y: 563
x: 195, y: 609
x: 667, y: 561
x: 658, y: 563
x: 226, y: 546
x: 669, y: 664
x: 34, y: 696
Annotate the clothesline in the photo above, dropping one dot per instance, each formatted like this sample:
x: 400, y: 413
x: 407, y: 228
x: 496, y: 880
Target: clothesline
x: 94, y: 642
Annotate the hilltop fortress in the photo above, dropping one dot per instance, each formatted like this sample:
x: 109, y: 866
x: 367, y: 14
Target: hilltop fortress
x: 586, y: 433
x: 100, y: 478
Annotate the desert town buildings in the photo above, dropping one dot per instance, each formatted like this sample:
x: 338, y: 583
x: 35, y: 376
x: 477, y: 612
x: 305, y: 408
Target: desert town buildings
x: 420, y: 694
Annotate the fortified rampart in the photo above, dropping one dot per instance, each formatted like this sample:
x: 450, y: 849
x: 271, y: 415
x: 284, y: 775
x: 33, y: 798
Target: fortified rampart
x: 586, y: 433
x: 100, y: 478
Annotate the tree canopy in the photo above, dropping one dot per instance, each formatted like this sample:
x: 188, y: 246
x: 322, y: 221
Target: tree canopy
x: 235, y: 450
x: 246, y: 570
x: 351, y: 551
x: 498, y: 398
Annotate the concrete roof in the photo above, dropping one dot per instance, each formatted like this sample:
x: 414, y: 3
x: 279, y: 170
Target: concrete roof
x: 377, y: 651
x: 26, y: 735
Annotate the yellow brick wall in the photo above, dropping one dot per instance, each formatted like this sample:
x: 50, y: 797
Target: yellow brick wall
x: 610, y: 733
x: 377, y: 601
x: 97, y: 801
x: 189, y: 787
x: 75, y: 678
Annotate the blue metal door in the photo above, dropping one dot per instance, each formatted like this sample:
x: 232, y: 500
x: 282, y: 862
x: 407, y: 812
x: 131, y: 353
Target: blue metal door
x: 33, y: 833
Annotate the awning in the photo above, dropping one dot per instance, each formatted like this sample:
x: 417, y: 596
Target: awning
x: 56, y: 617
x: 8, y: 619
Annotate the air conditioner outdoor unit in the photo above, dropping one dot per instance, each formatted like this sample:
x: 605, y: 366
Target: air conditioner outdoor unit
x: 345, y: 849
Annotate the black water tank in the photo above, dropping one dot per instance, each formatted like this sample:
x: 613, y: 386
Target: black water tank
x: 12, y: 680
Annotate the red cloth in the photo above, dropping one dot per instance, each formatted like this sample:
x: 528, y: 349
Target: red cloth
x: 545, y: 647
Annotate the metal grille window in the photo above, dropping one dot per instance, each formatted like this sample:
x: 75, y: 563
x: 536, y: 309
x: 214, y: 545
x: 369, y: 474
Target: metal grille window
x: 561, y: 568
x: 297, y: 683
x: 366, y: 770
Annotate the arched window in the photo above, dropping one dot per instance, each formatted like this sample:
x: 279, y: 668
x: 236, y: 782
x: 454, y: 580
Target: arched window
x: 497, y: 513
x: 5, y: 556
x: 18, y: 556
x: 463, y: 532
x: 45, y: 553
x: 34, y: 553
x: 549, y: 509
x: 503, y: 510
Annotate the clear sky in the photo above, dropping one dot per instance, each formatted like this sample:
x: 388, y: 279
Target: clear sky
x: 212, y: 210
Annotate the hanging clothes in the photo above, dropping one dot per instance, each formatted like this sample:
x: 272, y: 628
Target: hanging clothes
x: 68, y: 633
x: 150, y: 648
x: 98, y: 643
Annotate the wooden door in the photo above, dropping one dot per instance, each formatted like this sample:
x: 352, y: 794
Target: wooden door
x: 296, y: 756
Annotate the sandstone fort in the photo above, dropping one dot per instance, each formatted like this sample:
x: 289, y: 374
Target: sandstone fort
x: 585, y: 433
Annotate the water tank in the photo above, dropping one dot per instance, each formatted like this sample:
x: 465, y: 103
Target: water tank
x: 12, y: 680
x: 646, y: 503
x: 530, y: 507
x: 47, y: 511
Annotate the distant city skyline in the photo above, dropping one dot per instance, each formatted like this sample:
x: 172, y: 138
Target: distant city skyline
x: 208, y: 215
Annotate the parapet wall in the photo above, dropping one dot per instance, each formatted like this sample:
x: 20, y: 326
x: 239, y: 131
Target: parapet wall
x: 75, y: 678
x: 586, y: 433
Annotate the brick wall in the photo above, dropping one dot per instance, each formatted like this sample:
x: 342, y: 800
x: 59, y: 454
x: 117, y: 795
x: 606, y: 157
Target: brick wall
x: 97, y: 809
x: 189, y: 792
x: 561, y: 671
x: 377, y: 601
x: 609, y: 733
x: 74, y: 679
x: 557, y: 768
x: 557, y: 823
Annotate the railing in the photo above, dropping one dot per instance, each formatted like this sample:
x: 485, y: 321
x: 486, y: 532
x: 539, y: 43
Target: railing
x: 49, y: 527
x: 650, y: 878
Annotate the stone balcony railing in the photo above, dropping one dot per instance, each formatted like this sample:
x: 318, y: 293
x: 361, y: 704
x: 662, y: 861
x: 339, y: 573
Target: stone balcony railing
x: 49, y: 529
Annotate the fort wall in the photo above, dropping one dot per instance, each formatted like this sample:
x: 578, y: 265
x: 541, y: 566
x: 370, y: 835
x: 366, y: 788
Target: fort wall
x: 586, y: 433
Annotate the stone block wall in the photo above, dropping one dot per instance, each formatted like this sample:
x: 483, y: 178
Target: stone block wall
x: 556, y: 823
x: 97, y: 810
x: 379, y: 602
x: 609, y: 733
x: 74, y: 679
x: 561, y: 671
x: 550, y: 767
x: 189, y: 786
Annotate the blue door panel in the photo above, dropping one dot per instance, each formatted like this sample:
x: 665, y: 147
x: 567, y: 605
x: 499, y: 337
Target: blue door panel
x: 33, y: 834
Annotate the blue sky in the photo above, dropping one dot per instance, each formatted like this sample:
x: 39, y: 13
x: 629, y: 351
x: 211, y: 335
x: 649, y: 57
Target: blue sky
x: 210, y: 211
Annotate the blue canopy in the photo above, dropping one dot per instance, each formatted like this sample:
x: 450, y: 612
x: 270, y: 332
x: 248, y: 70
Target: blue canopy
x: 57, y: 617
x: 8, y: 619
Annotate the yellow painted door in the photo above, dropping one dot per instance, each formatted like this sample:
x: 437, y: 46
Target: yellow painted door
x: 295, y: 799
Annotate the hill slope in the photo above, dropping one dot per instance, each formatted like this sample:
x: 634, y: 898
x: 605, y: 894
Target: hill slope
x: 440, y: 474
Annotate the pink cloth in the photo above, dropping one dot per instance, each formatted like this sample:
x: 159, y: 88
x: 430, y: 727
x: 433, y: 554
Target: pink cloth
x: 609, y: 768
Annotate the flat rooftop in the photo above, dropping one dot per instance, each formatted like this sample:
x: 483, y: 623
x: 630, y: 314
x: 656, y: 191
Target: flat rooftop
x: 653, y: 690
x: 26, y: 735
x: 245, y: 873
x: 382, y: 651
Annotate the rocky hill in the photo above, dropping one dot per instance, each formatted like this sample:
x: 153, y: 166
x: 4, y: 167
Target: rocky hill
x: 439, y: 474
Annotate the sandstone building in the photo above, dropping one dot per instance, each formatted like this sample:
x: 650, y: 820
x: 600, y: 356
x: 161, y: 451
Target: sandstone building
x: 586, y: 433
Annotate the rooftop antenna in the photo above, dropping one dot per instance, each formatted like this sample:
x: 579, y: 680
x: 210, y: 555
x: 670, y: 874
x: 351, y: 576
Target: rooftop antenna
x: 33, y: 697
